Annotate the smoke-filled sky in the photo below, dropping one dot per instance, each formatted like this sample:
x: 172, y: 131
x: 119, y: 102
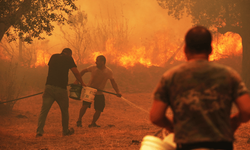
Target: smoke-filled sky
x: 144, y: 17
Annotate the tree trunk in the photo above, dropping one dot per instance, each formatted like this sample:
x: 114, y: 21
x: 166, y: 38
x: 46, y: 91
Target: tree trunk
x: 246, y: 57
x: 20, y: 50
x: 3, y: 29
x: 245, y: 35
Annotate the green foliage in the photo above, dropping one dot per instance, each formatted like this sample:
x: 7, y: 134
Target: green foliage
x: 31, y: 18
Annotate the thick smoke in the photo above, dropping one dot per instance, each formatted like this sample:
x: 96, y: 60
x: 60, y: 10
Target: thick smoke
x: 144, y: 16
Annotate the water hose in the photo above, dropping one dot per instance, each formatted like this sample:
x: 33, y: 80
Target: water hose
x: 21, y: 98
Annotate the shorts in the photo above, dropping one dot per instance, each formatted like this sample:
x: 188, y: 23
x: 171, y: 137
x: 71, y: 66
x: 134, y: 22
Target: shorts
x: 99, y: 102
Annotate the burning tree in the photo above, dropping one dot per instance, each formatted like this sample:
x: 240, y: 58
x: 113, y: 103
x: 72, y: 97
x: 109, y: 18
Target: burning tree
x: 31, y: 18
x: 224, y: 15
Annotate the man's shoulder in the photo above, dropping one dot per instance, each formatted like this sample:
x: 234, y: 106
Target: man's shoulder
x: 61, y: 56
x: 188, y: 67
x: 91, y: 68
x: 55, y: 55
x: 174, y: 69
x: 223, y: 68
x: 108, y: 69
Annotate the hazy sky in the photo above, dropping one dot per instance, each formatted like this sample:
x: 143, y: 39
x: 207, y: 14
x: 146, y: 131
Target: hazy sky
x: 144, y: 16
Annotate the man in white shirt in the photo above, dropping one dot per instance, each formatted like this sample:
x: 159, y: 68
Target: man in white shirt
x: 100, y: 74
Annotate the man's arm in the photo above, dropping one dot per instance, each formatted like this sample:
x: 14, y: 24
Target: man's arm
x: 81, y: 74
x: 158, y: 115
x: 115, y: 87
x: 243, y: 116
x: 77, y: 75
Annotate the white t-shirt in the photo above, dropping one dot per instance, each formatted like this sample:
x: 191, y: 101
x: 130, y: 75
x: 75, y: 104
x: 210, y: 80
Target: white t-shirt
x: 99, y: 77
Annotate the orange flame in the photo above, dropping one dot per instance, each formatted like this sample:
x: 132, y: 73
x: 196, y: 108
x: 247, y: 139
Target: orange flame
x: 229, y: 44
x: 157, y: 52
x: 161, y: 52
x: 42, y: 58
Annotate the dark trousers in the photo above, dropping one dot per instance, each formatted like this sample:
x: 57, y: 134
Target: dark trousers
x: 51, y: 94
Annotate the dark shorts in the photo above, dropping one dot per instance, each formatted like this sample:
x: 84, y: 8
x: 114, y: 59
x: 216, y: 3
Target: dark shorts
x: 99, y: 102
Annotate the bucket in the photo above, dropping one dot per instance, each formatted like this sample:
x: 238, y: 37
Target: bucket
x: 150, y: 142
x: 75, y: 91
x: 169, y: 141
x: 88, y: 94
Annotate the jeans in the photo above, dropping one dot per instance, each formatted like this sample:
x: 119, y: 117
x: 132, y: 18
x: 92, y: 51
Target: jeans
x: 51, y: 94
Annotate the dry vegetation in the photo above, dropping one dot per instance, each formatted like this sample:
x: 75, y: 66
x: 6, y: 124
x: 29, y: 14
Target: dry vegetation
x: 123, y: 125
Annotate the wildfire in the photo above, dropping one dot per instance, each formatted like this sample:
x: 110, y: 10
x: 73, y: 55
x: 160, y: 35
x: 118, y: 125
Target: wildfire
x: 229, y: 44
x: 159, y: 52
x: 163, y: 51
x: 139, y: 56
x: 42, y: 58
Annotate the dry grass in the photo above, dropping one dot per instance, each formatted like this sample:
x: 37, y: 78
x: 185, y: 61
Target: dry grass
x: 122, y: 126
x: 120, y: 123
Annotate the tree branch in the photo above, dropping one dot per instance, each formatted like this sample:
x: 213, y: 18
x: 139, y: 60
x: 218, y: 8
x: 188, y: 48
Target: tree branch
x: 228, y: 28
x: 9, y: 20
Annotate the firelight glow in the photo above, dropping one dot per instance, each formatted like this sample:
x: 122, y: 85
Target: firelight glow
x: 157, y: 53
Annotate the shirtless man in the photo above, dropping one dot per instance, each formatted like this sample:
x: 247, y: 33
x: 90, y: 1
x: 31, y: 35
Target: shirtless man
x: 100, y: 73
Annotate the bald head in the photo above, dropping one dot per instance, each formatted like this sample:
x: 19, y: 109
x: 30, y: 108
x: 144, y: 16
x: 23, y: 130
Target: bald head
x: 198, y: 40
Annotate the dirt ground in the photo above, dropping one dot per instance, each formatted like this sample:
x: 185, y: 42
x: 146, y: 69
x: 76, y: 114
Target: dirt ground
x: 123, y: 126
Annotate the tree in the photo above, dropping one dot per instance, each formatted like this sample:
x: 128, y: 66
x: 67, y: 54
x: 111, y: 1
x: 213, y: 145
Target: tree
x: 111, y: 33
x: 31, y: 18
x: 77, y: 36
x: 225, y: 15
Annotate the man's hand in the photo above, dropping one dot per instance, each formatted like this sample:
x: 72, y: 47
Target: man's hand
x: 77, y: 82
x: 84, y: 85
x: 77, y: 75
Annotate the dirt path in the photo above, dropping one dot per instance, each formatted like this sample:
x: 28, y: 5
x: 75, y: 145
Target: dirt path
x: 122, y: 126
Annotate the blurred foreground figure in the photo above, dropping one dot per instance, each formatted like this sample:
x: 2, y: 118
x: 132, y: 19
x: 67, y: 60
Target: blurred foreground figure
x: 200, y: 94
x: 99, y: 76
x: 56, y: 89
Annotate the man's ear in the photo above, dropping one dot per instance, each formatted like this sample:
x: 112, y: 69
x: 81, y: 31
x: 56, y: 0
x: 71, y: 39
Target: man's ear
x: 210, y: 51
x: 185, y: 49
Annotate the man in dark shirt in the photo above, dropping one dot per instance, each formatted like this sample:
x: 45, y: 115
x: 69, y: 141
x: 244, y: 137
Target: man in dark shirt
x: 56, y: 89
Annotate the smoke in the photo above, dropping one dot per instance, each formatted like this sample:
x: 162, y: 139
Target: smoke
x: 145, y: 17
